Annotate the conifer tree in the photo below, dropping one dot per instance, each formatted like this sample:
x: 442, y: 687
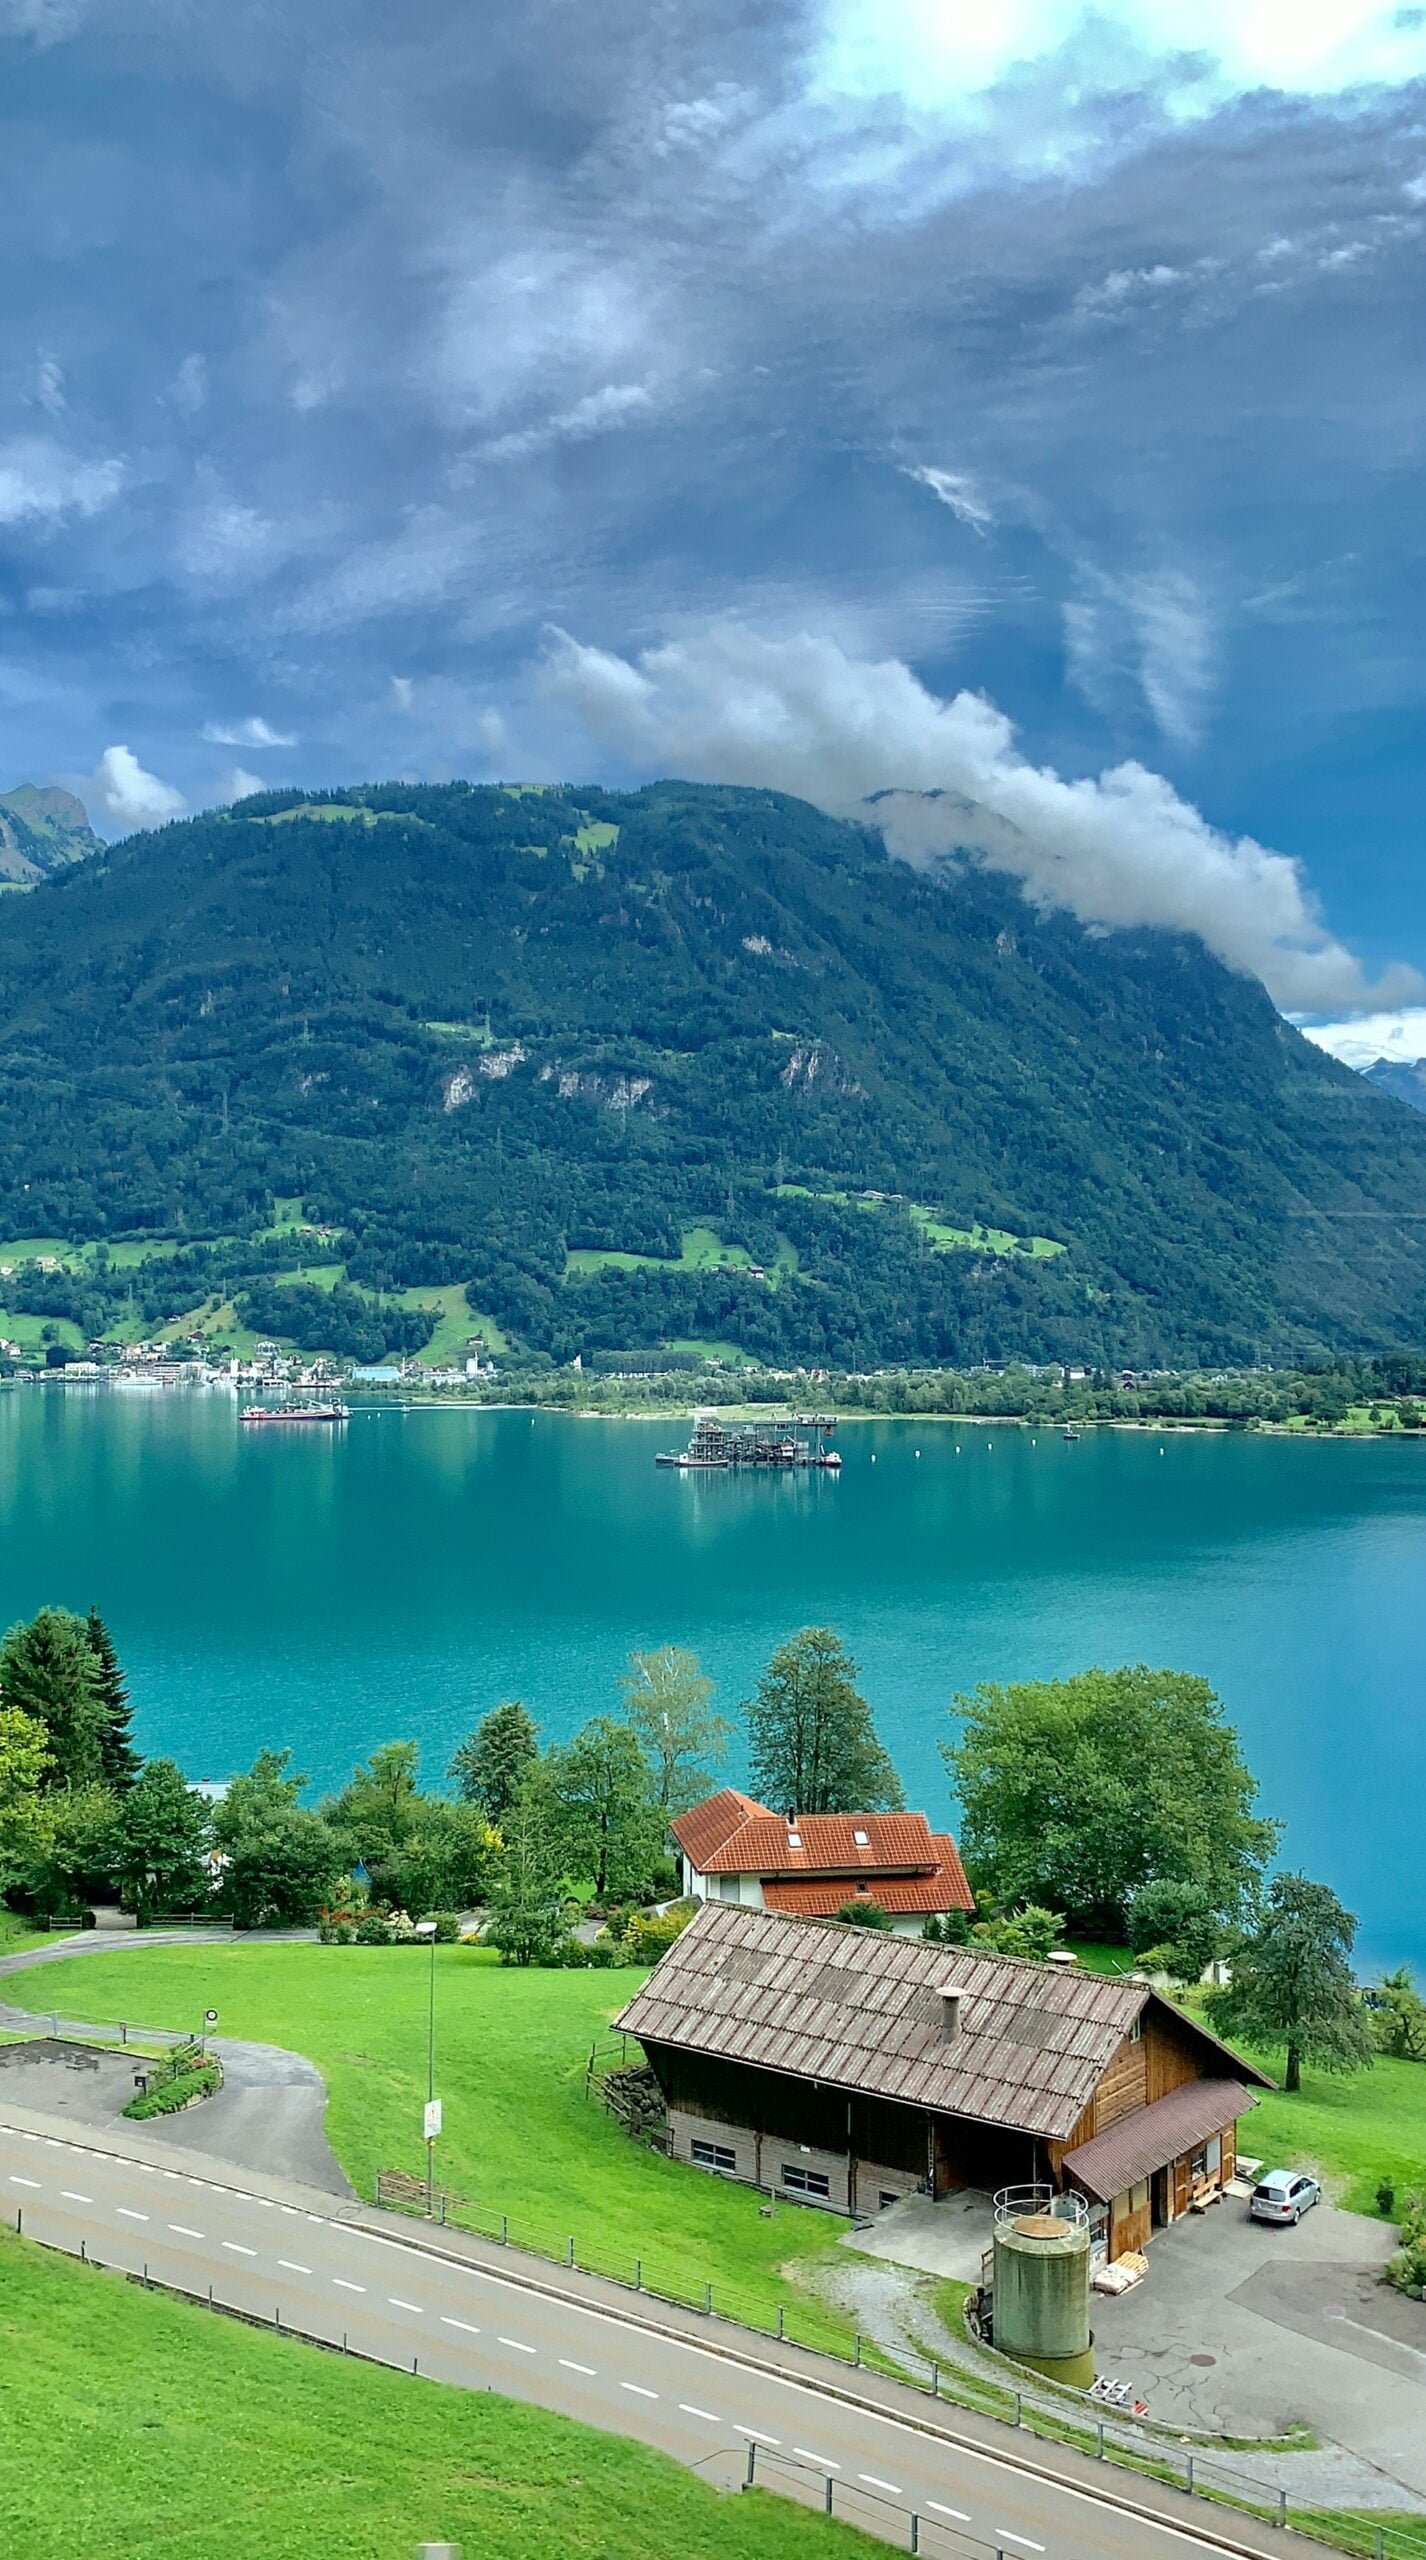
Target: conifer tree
x: 492, y: 1763
x: 48, y: 1672
x: 121, y: 1762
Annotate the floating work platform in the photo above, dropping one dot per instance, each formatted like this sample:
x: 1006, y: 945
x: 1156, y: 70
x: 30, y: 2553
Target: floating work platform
x: 715, y: 1444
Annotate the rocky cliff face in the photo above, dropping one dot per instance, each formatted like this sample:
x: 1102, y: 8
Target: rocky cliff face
x: 41, y: 830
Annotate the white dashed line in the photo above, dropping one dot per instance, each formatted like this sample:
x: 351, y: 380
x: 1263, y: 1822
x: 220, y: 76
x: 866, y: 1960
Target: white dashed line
x: 519, y: 2346
x: 959, y: 2513
x: 689, y: 2411
x: 571, y: 2367
x: 238, y: 2250
x: 72, y: 2195
x: 873, y: 2483
x: 24, y: 2182
x: 131, y: 2213
x: 185, y: 2231
x: 824, y: 2462
x: 398, y: 2305
x: 641, y: 2388
x: 757, y: 2435
x: 468, y: 2325
x: 1024, y: 2541
x: 347, y: 2286
x: 294, y: 2266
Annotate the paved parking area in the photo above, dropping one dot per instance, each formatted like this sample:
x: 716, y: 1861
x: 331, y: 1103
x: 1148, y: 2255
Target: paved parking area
x: 1245, y: 2329
x: 83, y: 2083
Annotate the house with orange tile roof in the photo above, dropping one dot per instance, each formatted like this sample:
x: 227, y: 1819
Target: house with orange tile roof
x: 811, y: 1866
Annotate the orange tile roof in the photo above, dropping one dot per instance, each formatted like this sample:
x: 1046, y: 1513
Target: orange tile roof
x: 817, y: 1898
x: 705, y: 1828
x: 729, y: 1834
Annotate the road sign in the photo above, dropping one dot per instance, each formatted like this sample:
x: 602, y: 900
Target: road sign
x: 210, y: 2017
x: 432, y: 2118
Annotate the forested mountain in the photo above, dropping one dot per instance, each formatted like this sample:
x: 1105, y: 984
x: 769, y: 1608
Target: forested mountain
x: 497, y: 1037
x: 41, y: 830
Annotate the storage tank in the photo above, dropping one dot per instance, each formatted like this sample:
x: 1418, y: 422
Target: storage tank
x: 1041, y: 2282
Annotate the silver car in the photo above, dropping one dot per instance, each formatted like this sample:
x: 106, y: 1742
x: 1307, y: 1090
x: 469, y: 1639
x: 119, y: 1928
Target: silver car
x: 1283, y: 2195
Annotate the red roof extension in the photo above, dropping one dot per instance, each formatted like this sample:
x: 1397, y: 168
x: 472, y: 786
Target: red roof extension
x: 915, y: 1868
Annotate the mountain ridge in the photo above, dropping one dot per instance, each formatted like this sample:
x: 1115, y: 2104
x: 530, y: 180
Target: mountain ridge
x: 42, y: 829
x: 480, y: 1030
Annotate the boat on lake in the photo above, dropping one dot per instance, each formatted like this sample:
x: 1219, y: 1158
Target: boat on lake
x: 293, y: 1413
x: 802, y: 1442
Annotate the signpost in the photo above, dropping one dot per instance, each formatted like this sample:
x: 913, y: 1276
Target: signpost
x: 431, y: 2117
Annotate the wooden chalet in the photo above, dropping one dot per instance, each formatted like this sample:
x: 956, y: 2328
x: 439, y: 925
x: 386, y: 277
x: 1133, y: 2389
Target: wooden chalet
x: 848, y: 2068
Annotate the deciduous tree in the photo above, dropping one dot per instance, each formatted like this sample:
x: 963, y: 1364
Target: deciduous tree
x: 1079, y: 1792
x: 24, y: 1766
x: 528, y: 1919
x: 604, y: 1818
x: 163, y: 1831
x: 812, y: 1742
x: 281, y: 1861
x: 666, y: 1705
x: 1292, y: 1983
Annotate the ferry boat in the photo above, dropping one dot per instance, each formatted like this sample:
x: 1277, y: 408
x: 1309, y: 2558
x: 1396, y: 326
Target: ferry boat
x: 718, y: 1444
x: 293, y: 1413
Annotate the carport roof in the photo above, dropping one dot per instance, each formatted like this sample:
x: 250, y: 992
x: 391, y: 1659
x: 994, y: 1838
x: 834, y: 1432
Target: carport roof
x: 1152, y: 2136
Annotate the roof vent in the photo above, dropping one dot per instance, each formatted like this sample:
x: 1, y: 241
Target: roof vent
x: 952, y: 2002
x: 1064, y: 1957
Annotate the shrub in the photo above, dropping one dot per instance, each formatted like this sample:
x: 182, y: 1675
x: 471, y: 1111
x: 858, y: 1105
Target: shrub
x: 1031, y: 1931
x: 650, y: 1934
x: 1386, y: 2197
x: 447, y: 1928
x: 1407, y: 2268
x: 202, y: 2082
x: 373, y: 1930
x: 862, y: 1913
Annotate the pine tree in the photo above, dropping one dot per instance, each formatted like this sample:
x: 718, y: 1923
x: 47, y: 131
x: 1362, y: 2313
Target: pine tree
x: 492, y: 1763
x: 48, y: 1672
x: 121, y: 1762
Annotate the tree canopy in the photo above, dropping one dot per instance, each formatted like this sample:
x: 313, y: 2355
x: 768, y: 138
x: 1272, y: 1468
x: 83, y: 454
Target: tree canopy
x: 668, y: 1707
x: 1292, y: 1986
x: 602, y: 1810
x: 49, y: 1672
x: 280, y: 1861
x: 490, y: 1766
x: 812, y: 1744
x: 1077, y: 1793
x: 163, y: 1831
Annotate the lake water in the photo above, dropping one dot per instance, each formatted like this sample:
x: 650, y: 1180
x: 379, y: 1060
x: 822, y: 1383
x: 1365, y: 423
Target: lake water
x: 334, y: 1590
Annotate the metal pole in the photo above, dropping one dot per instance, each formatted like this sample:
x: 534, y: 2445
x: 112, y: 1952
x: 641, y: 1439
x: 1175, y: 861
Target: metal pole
x: 752, y: 2464
x: 431, y: 2081
x: 827, y: 2499
x: 915, y: 2532
x: 858, y: 2356
x: 1188, y: 2467
x: 1099, y: 2432
x: 1281, y: 2509
x: 1017, y: 2408
x: 935, y: 2379
x: 638, y: 2275
x: 780, y: 2330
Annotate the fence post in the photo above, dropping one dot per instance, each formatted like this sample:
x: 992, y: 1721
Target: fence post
x: 1188, y: 2469
x: 752, y: 2463
x: 505, y: 2230
x: 780, y: 2330
x: 569, y: 2261
x: 1378, y: 2545
x: 827, y: 2495
x: 1017, y: 2408
x: 638, y: 2275
x: 708, y: 2299
x: 935, y: 2379
x: 443, y: 2208
x: 1099, y: 2433
x: 858, y: 2355
x: 1281, y: 2517
x: 915, y: 2532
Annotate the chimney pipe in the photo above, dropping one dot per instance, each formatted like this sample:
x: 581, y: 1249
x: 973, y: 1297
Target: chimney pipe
x: 951, y: 1998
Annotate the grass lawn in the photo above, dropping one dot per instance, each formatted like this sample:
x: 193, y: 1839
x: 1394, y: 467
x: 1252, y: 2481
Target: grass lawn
x: 16, y: 1934
x: 135, y: 2425
x: 30, y: 1331
x: 1355, y: 2130
x: 520, y: 2136
x: 702, y: 1250
x: 456, y: 1324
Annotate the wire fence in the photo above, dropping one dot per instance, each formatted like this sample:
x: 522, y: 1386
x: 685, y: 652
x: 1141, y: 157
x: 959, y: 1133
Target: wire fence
x: 1080, y: 2426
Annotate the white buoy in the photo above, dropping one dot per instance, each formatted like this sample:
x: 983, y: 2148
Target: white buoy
x: 873, y: 1457
x: 918, y: 1453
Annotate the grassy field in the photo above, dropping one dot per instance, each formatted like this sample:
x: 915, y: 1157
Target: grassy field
x: 456, y: 1323
x: 520, y: 2136
x: 941, y: 1237
x: 703, y: 1250
x: 132, y: 2425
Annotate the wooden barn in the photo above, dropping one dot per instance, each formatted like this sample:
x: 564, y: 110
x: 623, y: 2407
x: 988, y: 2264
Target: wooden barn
x: 847, y: 2068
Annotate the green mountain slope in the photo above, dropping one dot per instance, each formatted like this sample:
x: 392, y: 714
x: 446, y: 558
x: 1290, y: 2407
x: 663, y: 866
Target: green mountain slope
x: 41, y: 830
x: 628, y: 1064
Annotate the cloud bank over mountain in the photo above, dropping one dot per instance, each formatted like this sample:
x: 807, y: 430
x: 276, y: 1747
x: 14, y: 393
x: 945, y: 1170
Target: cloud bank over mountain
x: 723, y: 703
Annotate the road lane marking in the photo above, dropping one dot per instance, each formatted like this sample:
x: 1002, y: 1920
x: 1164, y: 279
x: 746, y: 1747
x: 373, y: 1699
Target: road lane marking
x: 873, y: 2483
x: 72, y: 2195
x: 398, y: 2305
x: 756, y: 2433
x: 24, y: 2182
x: 468, y: 2325
x: 519, y: 2345
x: 186, y: 2231
x: 571, y: 2367
x: 347, y: 2286
x: 294, y: 2266
x: 959, y: 2513
x: 824, y: 2460
x: 1005, y: 2535
x: 641, y: 2388
x: 238, y: 2250
x: 689, y: 2411
x: 131, y: 2213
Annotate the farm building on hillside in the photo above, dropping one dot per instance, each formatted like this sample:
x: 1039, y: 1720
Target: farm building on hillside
x: 811, y: 1865
x: 846, y: 2068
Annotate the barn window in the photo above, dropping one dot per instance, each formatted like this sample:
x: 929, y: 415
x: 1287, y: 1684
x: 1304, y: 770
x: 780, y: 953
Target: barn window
x: 714, y: 2155
x: 805, y: 2182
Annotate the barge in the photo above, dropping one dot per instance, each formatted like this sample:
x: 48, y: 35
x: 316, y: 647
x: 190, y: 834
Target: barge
x: 716, y: 1444
x: 293, y: 1413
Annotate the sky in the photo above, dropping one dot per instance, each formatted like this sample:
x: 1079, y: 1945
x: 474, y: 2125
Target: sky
x: 1021, y: 405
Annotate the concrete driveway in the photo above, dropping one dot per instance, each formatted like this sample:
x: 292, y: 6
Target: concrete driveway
x: 1241, y: 2328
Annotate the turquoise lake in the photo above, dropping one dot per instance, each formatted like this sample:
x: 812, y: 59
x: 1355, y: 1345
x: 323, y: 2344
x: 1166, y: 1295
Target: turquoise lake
x: 332, y: 1590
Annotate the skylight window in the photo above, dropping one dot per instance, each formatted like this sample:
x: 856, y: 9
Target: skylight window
x: 862, y: 1839
x: 794, y: 1839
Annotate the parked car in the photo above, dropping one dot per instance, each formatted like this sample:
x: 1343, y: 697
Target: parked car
x: 1283, y: 2195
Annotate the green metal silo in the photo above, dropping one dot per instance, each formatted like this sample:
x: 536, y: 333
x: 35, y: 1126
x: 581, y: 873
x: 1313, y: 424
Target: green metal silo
x: 1041, y: 2282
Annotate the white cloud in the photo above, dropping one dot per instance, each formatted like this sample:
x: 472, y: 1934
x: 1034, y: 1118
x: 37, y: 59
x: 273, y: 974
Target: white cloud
x: 49, y: 386
x: 40, y: 482
x: 1400, y: 1036
x: 236, y: 785
x: 724, y: 703
x: 44, y: 21
x: 616, y: 405
x: 130, y: 796
x: 253, y: 732
x: 1154, y: 631
x: 188, y: 390
x: 403, y: 691
x: 955, y: 490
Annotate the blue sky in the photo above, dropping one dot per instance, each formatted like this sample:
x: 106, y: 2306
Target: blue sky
x: 1024, y: 404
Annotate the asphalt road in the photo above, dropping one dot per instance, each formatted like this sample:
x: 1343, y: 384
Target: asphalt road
x: 395, y: 2298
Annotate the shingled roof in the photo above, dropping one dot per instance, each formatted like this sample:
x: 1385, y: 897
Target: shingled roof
x: 858, y: 2009
x: 731, y: 1834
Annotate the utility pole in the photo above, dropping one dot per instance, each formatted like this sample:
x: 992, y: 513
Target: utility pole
x: 432, y: 2118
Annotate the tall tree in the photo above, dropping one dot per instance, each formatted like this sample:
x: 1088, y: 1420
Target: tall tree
x: 377, y: 1808
x: 1399, y: 2017
x: 666, y: 1706
x: 119, y: 1758
x: 1292, y: 1982
x: 528, y: 1919
x: 280, y: 1860
x: 1078, y: 1793
x: 48, y: 1672
x: 604, y: 1817
x: 24, y: 1810
x: 163, y: 1831
x: 489, y: 1767
x: 74, y: 1861
x: 813, y: 1745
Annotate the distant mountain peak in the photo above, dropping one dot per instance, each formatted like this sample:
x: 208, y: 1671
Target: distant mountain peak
x: 42, y: 829
x: 1405, y: 1077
